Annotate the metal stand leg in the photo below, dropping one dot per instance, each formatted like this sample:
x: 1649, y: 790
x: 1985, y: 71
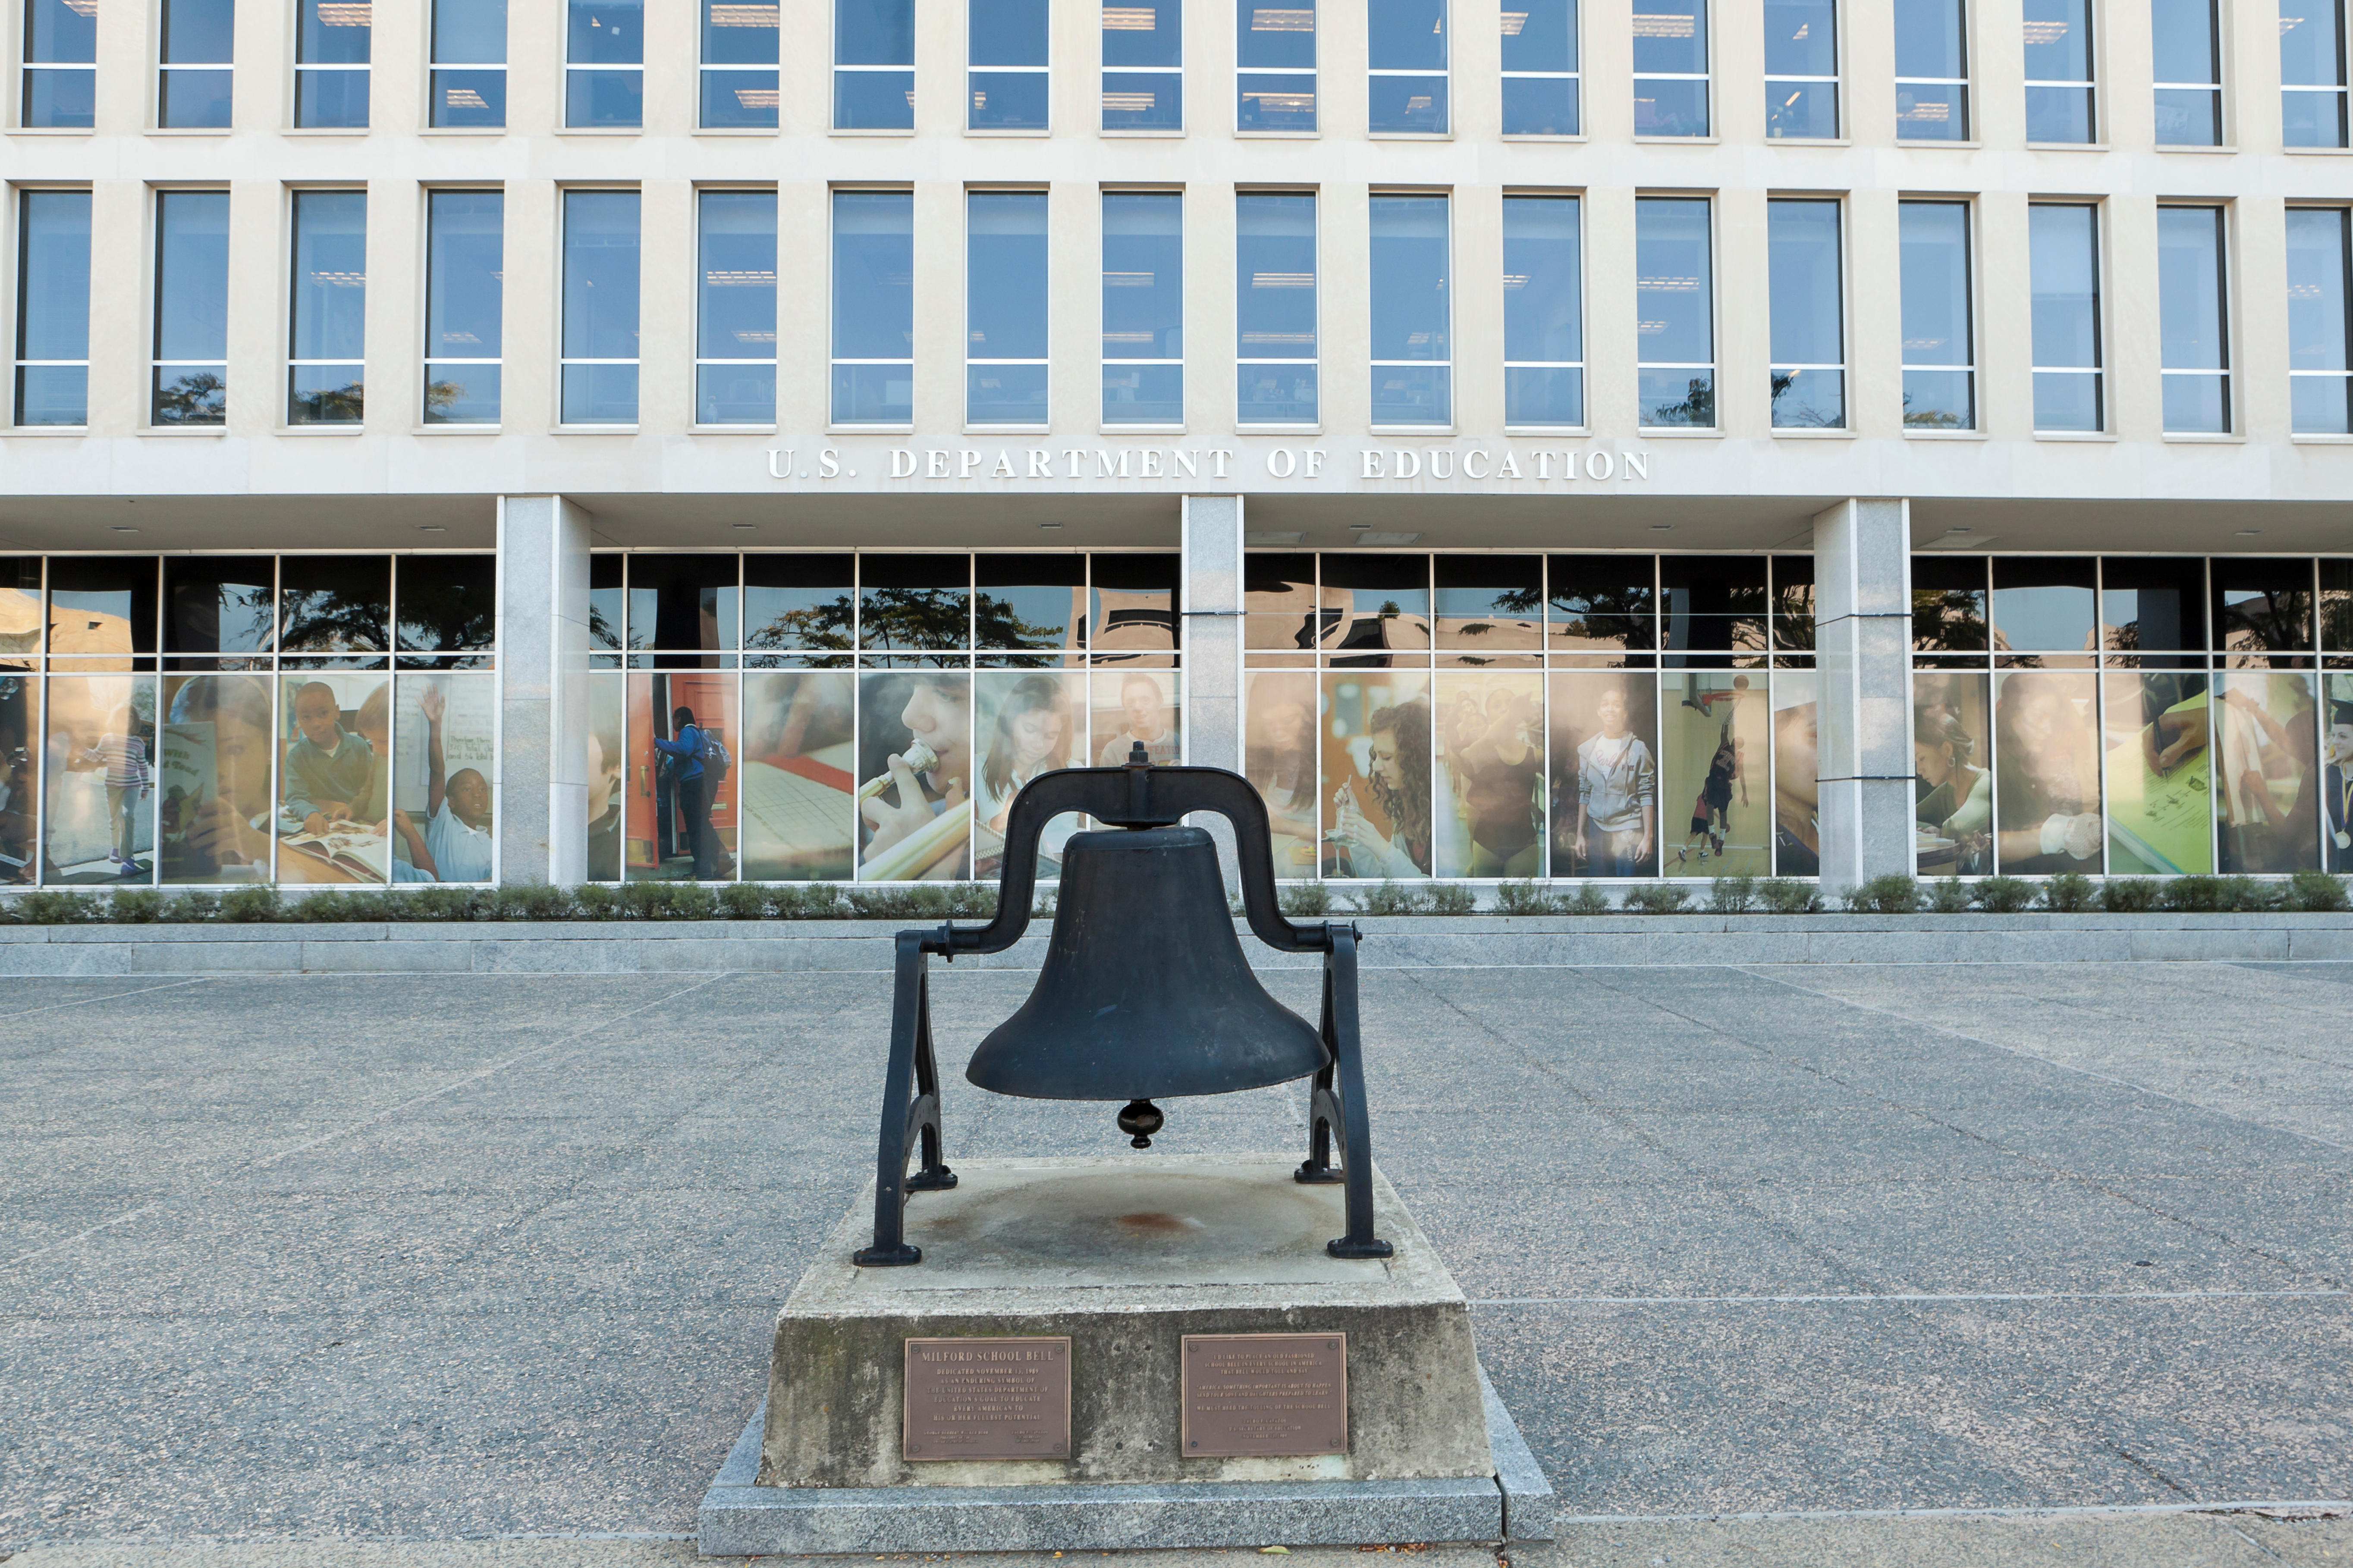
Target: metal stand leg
x: 1338, y: 1109
x: 911, y: 1113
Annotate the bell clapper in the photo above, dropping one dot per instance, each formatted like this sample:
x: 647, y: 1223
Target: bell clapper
x: 1139, y: 1119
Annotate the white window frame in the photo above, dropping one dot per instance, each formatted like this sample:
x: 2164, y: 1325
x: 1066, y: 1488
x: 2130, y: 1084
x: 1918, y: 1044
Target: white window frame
x: 1845, y: 426
x: 1574, y: 77
x: 2338, y: 92
x: 562, y: 361
x: 832, y: 196
x: 564, y: 88
x: 2098, y: 370
x: 2343, y: 217
x: 1045, y: 68
x: 964, y: 398
x: 2226, y: 270
x: 1715, y: 318
x: 304, y: 67
x: 2096, y: 127
x: 1964, y: 83
x: 14, y: 234
x: 1314, y: 73
x: 1446, y: 21
x: 1970, y: 302
x: 1101, y: 283
x: 2217, y: 22
x: 288, y: 365
x: 705, y: 67
x: 1836, y: 81
x: 433, y: 64
x: 1707, y: 77
x: 427, y: 358
x: 1584, y: 390
x: 1315, y: 194
x: 1375, y: 366
x: 26, y: 64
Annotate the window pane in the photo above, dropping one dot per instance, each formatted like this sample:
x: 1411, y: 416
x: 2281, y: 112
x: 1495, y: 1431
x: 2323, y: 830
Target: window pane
x: 2058, y: 40
x: 600, y: 275
x: 2042, y: 604
x: 1929, y: 39
x: 331, y: 99
x: 335, y: 603
x: 740, y: 32
x: 1540, y: 35
x: 1675, y: 310
x: 1925, y: 112
x: 102, y: 604
x: 874, y: 101
x: 1144, y: 305
x: 59, y: 32
x: 2318, y: 273
x: 1540, y: 106
x: 98, y: 810
x: 1490, y: 603
x: 2260, y: 606
x: 1407, y: 103
x: 464, y: 299
x: 1490, y: 734
x: 1030, y: 602
x: 2189, y: 293
x: 470, y: 32
x: 606, y: 32
x: 2156, y: 602
x: 1008, y: 100
x: 2266, y: 781
x: 1802, y: 244
x: 1605, y: 774
x: 683, y: 603
x: 1952, y: 752
x: 2312, y: 45
x: 219, y: 604
x: 190, y: 100
x: 1140, y: 101
x: 1671, y: 37
x: 1935, y: 283
x: 1275, y: 37
x: 1278, y: 601
x: 2064, y: 257
x: 1666, y: 107
x: 2046, y: 762
x: 799, y: 743
x: 1601, y: 604
x: 1275, y: 301
x: 1713, y: 603
x: 914, y: 602
x: 1410, y: 316
x: 330, y: 303
x: 608, y: 98
x: 470, y: 98
x: 874, y: 32
x: 873, y: 275
x: 1133, y: 604
x: 1008, y: 31
x: 198, y: 32
x: 331, y: 32
x: 1376, y: 764
x: 2187, y: 50
x: 448, y: 604
x: 1405, y: 34
x: 1376, y: 601
x: 2188, y: 118
x: 1801, y: 38
x: 53, y: 295
x: 1005, y: 302
x: 191, y: 306
x: 1271, y: 102
x: 1143, y: 33
x: 928, y: 837
x: 213, y: 779
x: 1801, y: 108
x: 737, y: 314
x: 1543, y: 309
x: 1948, y: 604
x: 793, y: 602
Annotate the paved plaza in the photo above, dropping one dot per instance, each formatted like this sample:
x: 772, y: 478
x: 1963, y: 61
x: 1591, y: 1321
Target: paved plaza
x: 487, y: 1265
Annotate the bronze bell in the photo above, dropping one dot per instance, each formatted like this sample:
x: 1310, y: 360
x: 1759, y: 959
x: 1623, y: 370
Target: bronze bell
x: 1144, y: 993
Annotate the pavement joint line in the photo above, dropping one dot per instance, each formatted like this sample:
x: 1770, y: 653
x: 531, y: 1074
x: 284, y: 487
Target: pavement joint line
x: 1906, y: 1298
x: 109, y: 997
x: 2321, y: 1506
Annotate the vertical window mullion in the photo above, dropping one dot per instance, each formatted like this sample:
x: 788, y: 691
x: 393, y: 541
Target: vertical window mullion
x: 52, y: 380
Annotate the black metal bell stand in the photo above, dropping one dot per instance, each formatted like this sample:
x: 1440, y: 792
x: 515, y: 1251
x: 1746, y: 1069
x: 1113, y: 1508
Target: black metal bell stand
x: 1144, y: 990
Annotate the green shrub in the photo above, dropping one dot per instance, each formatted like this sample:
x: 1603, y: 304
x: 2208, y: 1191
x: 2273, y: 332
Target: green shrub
x: 57, y: 907
x: 1521, y: 898
x: 1042, y: 907
x: 1950, y: 896
x: 2131, y: 895
x: 2008, y: 894
x: 2310, y: 892
x: 972, y: 900
x: 1790, y: 896
x: 596, y: 901
x: 435, y: 903
x: 1589, y: 899
x: 2196, y: 895
x: 2070, y: 894
x: 1658, y: 897
x: 196, y: 906
x: 1732, y: 895
x: 690, y: 902
x: 250, y: 906
x: 341, y: 905
x: 1385, y: 899
x: 743, y: 901
x: 136, y: 906
x: 1450, y: 899
x: 2253, y: 895
x: 1304, y: 900
x: 1891, y: 894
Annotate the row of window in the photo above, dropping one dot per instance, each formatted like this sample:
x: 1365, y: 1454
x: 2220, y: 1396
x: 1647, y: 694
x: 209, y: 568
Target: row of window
x: 1407, y: 48
x: 1277, y: 346
x: 2067, y: 610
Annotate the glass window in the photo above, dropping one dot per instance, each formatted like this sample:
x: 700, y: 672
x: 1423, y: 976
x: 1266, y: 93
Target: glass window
x: 1375, y: 602
x: 1412, y: 378
x: 469, y: 54
x: 2261, y: 607
x: 1948, y: 604
x: 191, y: 364
x: 2058, y: 102
x: 1143, y: 308
x: 793, y: 603
x: 735, y: 310
x: 1801, y: 68
x: 2312, y: 74
x: 327, y: 770
x: 1489, y: 604
x: 2063, y: 256
x: 61, y: 88
x: 1601, y: 604
x: 327, y: 342
x: 465, y: 264
x: 1952, y: 784
x: 873, y: 307
x: 195, y: 39
x: 447, y: 604
x: 1143, y: 66
x: 607, y: 606
x: 914, y: 603
x: 1133, y: 604
x: 2046, y: 771
x: 873, y: 64
x: 1544, y: 312
x: 2158, y: 737
x: 331, y: 41
x: 2267, y: 777
x: 1713, y: 602
x: 1274, y: 308
x: 1005, y: 307
x: 1807, y: 307
x: 2152, y: 603
x: 1274, y: 55
x: 52, y: 308
x: 1939, y: 347
x: 1030, y: 603
x: 1932, y: 70
x: 1793, y: 604
x: 97, y: 812
x: 740, y: 45
x: 605, y: 56
x: 1671, y: 68
x: 1674, y: 304
x: 2320, y: 319
x: 1007, y: 78
x: 101, y: 604
x: 600, y: 307
x: 1488, y: 735
x: 1279, y: 608
x: 1405, y: 53
x: 1376, y: 819
x: 335, y: 604
x: 2187, y: 37
x: 2042, y: 604
x: 215, y: 604
x: 1540, y: 68
x: 2193, y: 321
x: 2337, y: 636
x: 683, y: 604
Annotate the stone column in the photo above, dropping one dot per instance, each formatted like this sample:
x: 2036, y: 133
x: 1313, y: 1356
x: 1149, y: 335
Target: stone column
x: 1863, y: 620
x: 1211, y: 603
x: 543, y: 785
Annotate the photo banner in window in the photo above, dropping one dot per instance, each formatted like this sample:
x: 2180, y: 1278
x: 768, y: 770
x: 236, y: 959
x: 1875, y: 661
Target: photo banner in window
x: 2046, y: 764
x: 1490, y: 730
x: 446, y: 764
x: 1797, y: 775
x: 1714, y: 803
x: 97, y: 769
x: 1025, y: 723
x: 2336, y: 774
x: 2266, y: 773
x: 799, y: 757
x: 1279, y: 759
x: 915, y: 808
x: 1605, y: 774
x: 681, y: 811
x: 213, y: 779
x: 1375, y: 765
x: 20, y: 708
x: 1952, y: 773
x: 1133, y: 705
x: 334, y: 781
x: 2160, y: 789
x: 608, y: 779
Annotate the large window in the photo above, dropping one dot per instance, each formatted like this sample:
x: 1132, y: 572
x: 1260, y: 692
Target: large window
x: 1939, y: 344
x: 1675, y: 305
x: 1143, y: 66
x: 2063, y: 258
x: 1412, y: 341
x: 1005, y: 307
x: 741, y: 39
x: 317, y: 718
x: 1671, y: 82
x: 2193, y: 318
x: 1274, y: 55
x: 1808, y: 333
x: 52, y: 308
x: 1143, y: 308
x: 600, y: 307
x: 873, y: 307
x: 1274, y: 308
x: 605, y: 64
x: 882, y: 709
x: 60, y: 82
x: 1801, y: 68
x: 1932, y: 70
x: 2312, y: 75
x: 1482, y: 715
x: 1007, y: 79
x: 195, y: 42
x: 332, y: 44
x: 2187, y: 36
x: 190, y: 384
x: 735, y: 309
x: 2060, y: 106
x: 470, y: 63
x: 1540, y: 68
x: 873, y: 64
x: 326, y: 340
x: 1405, y: 54
x: 1544, y: 313
x: 2320, y: 320
x: 465, y: 328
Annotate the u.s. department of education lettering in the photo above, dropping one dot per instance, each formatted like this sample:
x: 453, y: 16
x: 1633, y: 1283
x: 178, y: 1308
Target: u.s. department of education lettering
x: 1509, y: 466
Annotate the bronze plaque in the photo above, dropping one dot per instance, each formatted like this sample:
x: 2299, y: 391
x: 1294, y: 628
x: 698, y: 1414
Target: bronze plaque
x: 1264, y: 1393
x: 999, y: 1398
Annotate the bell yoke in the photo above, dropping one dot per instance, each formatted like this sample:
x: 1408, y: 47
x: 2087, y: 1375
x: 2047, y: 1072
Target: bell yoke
x: 1145, y: 992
